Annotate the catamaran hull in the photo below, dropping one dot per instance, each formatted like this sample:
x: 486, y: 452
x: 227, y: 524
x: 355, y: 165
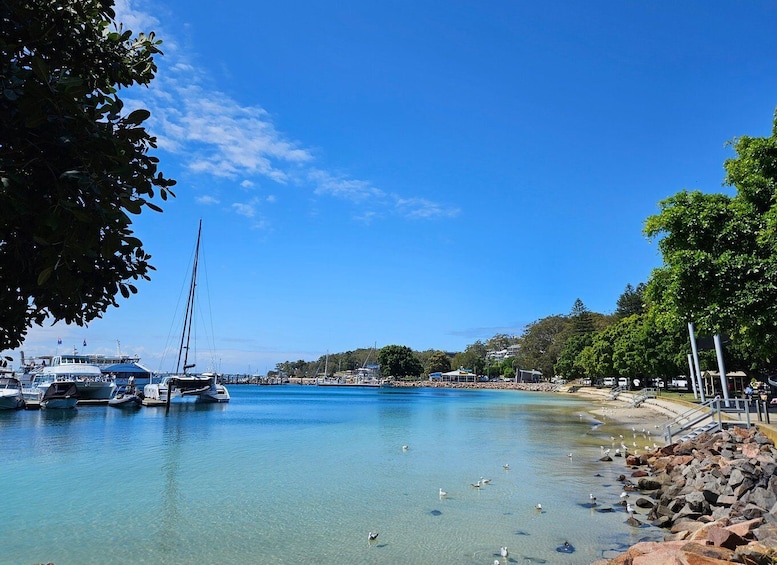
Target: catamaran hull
x: 158, y: 393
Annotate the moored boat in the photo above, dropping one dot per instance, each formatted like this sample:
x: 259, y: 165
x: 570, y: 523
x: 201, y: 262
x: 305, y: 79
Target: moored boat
x: 126, y: 397
x: 60, y: 395
x: 10, y: 393
x: 91, y: 383
x: 202, y: 387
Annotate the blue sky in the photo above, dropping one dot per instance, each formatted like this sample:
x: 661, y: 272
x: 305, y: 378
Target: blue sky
x: 421, y: 173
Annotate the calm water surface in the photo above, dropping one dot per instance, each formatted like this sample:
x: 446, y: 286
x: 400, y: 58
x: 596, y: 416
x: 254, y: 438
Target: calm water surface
x: 292, y: 475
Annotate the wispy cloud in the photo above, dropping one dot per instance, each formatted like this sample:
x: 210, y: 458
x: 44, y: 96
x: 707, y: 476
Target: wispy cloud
x: 215, y: 135
x: 207, y: 200
x: 343, y: 187
x: 421, y: 208
x: 244, y: 209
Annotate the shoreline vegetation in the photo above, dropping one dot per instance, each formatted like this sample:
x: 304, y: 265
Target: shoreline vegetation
x: 715, y: 495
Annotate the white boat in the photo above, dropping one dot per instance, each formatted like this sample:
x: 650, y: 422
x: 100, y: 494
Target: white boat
x: 366, y: 376
x: 204, y: 387
x: 10, y: 393
x: 60, y: 395
x: 126, y: 397
x: 91, y: 383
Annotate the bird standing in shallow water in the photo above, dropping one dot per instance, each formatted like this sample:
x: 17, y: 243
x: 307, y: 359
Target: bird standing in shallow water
x: 593, y: 499
x: 372, y: 536
x: 443, y: 493
x: 503, y: 552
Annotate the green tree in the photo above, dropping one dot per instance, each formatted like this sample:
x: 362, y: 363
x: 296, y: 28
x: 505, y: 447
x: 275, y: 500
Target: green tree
x: 582, y: 319
x: 438, y: 361
x: 499, y: 342
x: 399, y: 361
x: 569, y: 363
x: 74, y: 165
x: 541, y: 344
x: 631, y: 301
x: 720, y: 265
x: 473, y: 358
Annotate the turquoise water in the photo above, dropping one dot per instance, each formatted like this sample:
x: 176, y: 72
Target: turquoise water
x: 300, y: 474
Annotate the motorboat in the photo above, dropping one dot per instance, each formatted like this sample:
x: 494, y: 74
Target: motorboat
x: 11, y: 396
x: 37, y: 387
x: 126, y: 397
x: 60, y: 395
x: 90, y: 381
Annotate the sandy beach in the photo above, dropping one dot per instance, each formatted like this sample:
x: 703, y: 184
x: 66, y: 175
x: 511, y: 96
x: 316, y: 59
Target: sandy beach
x: 620, y: 411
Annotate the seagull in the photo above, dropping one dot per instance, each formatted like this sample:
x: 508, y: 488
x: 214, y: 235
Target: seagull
x: 506, y: 466
x: 569, y: 454
x: 496, y: 562
x: 629, y: 508
x: 443, y: 493
x: 484, y: 481
x: 624, y: 494
x: 404, y: 448
x: 538, y: 507
x: 503, y: 552
x: 372, y: 536
x: 593, y: 498
x: 476, y: 485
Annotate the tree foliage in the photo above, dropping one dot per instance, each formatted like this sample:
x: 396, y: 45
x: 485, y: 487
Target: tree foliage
x: 399, y: 361
x: 569, y: 363
x: 500, y: 341
x: 582, y: 320
x: 74, y: 165
x: 631, y: 302
x: 541, y: 344
x: 473, y: 357
x: 720, y: 252
x: 438, y: 362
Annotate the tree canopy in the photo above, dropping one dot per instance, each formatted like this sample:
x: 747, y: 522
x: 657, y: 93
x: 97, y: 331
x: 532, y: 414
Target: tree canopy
x: 720, y: 252
x: 399, y: 361
x: 74, y: 165
x: 438, y: 361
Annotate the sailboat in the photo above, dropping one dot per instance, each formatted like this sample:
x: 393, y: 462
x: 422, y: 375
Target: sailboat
x: 184, y: 385
x: 366, y: 376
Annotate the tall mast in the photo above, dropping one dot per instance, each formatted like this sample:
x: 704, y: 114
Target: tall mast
x: 189, y: 315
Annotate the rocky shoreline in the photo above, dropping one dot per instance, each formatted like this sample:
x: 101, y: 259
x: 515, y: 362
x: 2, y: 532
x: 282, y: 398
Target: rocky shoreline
x: 495, y: 385
x: 716, y: 495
